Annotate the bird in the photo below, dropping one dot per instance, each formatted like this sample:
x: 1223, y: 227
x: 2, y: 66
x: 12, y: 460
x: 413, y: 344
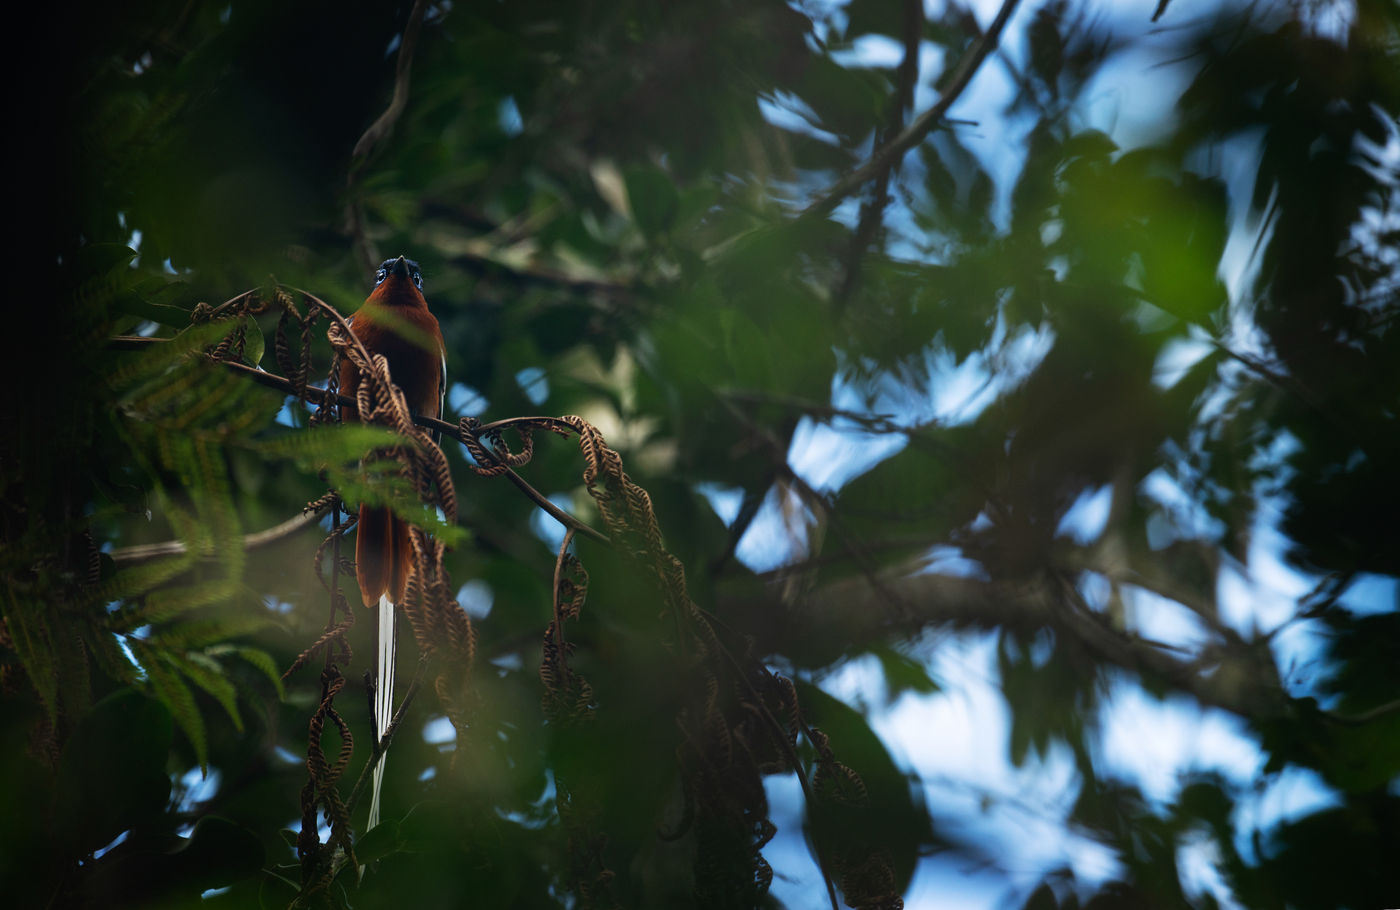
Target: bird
x: 396, y: 323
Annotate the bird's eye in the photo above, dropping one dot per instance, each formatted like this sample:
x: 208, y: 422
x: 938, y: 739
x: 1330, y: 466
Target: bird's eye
x: 417, y: 278
x: 379, y: 276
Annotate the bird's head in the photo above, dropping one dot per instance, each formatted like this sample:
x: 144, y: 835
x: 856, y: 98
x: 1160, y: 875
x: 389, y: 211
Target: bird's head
x: 397, y: 274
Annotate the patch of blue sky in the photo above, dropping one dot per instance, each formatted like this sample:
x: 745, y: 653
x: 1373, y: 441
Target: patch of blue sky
x: 828, y: 456
x: 291, y: 413
x: 545, y: 526
x: 1370, y: 594
x: 131, y: 656
x: 534, y: 384
x: 192, y: 788
x: 323, y: 830
x: 465, y: 401
x: 1284, y: 797
x: 1181, y: 516
x: 277, y: 606
x: 789, y: 112
x: 797, y: 879
x: 725, y: 501
x: 949, y: 560
x: 115, y: 842
x: 949, y: 882
x: 508, y: 117
x: 997, y: 142
x: 1087, y: 517
x: 438, y: 731
x: 939, y: 388
x: 1095, y: 588
x: 1261, y: 596
x: 510, y: 662
x: 1154, y: 743
x: 870, y: 50
x: 476, y: 597
x: 956, y: 742
x: 776, y: 537
x: 1198, y: 861
x: 1177, y: 357
x: 1159, y: 619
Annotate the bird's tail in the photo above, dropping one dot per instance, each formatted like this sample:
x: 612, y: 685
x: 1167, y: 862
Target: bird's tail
x: 383, y: 557
x: 383, y: 697
x: 383, y: 554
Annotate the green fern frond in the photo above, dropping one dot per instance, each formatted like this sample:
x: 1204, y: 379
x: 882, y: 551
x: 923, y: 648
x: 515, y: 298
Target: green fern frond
x: 205, y: 672
x: 157, y: 361
x: 31, y: 633
x: 103, y: 644
x: 312, y: 449
x: 170, y: 690
x: 206, y: 632
x: 167, y: 603
x: 259, y: 658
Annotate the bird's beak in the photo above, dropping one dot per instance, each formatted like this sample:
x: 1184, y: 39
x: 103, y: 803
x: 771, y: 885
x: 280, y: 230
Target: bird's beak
x: 400, y: 267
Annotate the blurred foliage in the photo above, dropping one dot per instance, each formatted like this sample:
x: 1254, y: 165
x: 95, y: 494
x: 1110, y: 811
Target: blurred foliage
x: 608, y: 204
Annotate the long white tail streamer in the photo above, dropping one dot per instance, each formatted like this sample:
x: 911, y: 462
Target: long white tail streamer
x: 383, y: 697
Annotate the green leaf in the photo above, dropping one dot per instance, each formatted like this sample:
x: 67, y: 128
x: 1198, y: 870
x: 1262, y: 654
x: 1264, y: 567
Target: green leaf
x: 379, y: 841
x: 315, y: 447
x: 157, y: 360
x: 205, y: 672
x: 171, y: 690
x: 28, y: 622
x: 255, y: 656
x: 653, y: 198
x: 254, y: 343
x: 167, y: 603
x: 892, y: 819
x: 904, y: 674
x: 204, y: 632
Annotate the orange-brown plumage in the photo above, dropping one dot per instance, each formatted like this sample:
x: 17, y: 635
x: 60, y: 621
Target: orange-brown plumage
x: 394, y: 322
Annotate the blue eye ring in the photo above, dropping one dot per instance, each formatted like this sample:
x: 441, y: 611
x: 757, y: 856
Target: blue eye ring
x: 379, y: 277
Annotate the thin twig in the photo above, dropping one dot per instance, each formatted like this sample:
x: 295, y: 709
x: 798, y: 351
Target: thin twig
x: 147, y: 551
x: 558, y: 576
x: 923, y: 124
x: 1365, y: 717
x: 872, y: 212
x: 875, y: 423
x: 381, y: 745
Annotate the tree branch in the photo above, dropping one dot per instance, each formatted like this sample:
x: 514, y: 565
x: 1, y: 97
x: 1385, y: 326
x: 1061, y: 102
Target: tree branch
x: 452, y: 430
x: 143, y: 552
x: 923, y: 125
x: 855, y: 613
